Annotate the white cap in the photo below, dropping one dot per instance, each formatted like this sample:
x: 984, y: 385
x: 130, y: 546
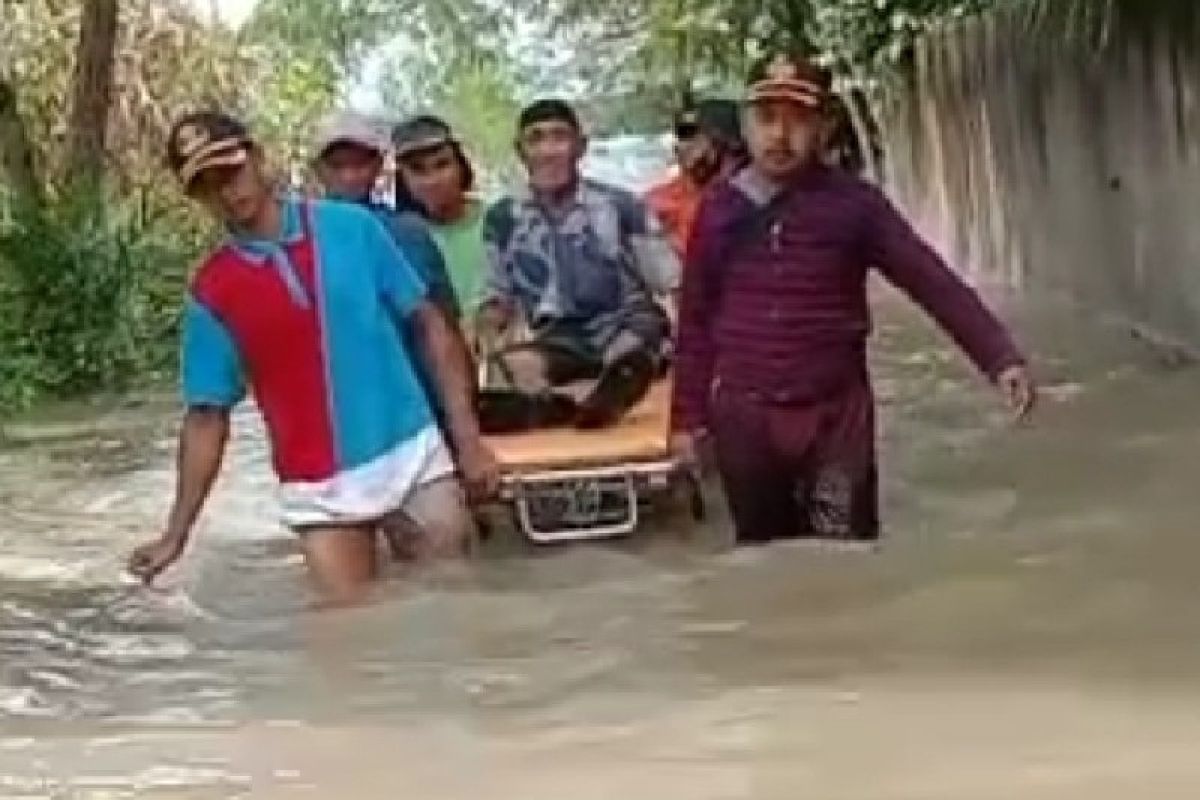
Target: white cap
x: 350, y: 127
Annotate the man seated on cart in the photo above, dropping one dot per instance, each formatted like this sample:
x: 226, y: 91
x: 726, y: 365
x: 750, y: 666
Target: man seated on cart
x: 584, y: 267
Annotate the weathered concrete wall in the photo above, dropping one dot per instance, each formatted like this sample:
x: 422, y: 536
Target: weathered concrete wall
x: 1058, y: 164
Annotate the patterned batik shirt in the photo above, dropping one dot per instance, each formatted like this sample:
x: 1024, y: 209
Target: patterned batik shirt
x: 594, y: 266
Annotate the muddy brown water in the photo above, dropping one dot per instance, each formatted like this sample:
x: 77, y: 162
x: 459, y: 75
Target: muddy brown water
x: 1028, y: 630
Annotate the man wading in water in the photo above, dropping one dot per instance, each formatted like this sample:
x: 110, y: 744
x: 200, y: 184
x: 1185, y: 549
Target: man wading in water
x: 305, y: 304
x: 774, y: 322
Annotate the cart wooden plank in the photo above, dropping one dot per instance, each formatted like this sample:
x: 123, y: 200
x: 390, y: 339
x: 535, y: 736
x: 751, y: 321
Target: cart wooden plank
x: 642, y: 435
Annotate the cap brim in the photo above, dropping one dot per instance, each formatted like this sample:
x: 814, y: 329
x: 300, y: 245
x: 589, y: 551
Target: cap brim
x: 374, y: 145
x: 232, y: 153
x: 422, y: 145
x: 787, y: 91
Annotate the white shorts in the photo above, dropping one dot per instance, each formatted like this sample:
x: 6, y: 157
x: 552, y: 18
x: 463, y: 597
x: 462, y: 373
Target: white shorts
x: 372, y: 491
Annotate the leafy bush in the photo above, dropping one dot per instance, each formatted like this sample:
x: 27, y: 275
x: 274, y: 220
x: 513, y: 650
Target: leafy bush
x: 90, y: 295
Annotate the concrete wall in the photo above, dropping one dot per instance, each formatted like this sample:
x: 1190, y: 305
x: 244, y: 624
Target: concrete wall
x: 1061, y: 164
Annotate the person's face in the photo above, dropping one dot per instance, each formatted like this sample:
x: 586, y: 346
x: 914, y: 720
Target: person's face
x: 783, y: 136
x: 235, y: 194
x: 551, y: 152
x: 435, y: 179
x: 349, y: 171
x: 697, y: 154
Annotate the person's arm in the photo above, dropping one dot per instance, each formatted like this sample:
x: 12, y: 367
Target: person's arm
x: 695, y: 355
x: 201, y: 450
x: 912, y: 265
x: 453, y: 376
x: 445, y: 353
x: 202, y: 443
x: 655, y: 258
x: 498, y: 307
x: 426, y: 258
x: 212, y: 385
x: 662, y: 204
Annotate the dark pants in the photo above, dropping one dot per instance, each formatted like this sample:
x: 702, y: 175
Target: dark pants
x: 556, y: 358
x: 795, y: 471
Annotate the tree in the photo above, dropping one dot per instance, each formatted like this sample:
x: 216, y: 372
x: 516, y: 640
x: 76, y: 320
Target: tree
x: 443, y: 54
x: 165, y: 60
x: 474, y: 93
x: 16, y: 154
x: 92, y: 89
x: 670, y: 47
x: 91, y: 274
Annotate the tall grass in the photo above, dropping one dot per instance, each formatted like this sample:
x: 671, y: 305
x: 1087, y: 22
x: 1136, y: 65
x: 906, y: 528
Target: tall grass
x: 90, y: 293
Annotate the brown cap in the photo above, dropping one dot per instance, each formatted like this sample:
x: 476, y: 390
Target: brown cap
x: 791, y: 79
x: 205, y: 140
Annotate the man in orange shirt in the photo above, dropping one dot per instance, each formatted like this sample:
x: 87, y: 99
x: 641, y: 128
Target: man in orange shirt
x: 708, y: 147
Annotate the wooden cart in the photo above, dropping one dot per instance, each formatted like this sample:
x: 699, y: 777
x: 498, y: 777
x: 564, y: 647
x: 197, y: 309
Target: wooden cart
x: 569, y: 485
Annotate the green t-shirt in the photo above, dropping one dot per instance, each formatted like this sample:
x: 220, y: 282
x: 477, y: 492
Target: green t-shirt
x: 461, y: 244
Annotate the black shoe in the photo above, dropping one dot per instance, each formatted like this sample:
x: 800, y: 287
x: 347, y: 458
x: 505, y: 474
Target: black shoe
x: 622, y: 385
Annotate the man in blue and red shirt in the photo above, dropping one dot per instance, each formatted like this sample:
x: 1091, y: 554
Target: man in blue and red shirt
x: 305, y: 305
x: 774, y: 322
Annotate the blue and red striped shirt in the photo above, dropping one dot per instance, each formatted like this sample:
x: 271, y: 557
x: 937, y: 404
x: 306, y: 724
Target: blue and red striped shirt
x: 312, y: 324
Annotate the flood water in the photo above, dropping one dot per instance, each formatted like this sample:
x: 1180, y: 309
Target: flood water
x: 1027, y: 631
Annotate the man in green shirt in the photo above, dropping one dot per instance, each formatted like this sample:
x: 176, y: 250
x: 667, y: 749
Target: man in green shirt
x: 434, y: 178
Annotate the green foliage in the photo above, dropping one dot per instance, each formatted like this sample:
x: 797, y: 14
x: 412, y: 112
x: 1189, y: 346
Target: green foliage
x: 868, y: 39
x: 338, y: 33
x: 475, y: 94
x: 167, y: 61
x: 305, y: 50
x: 704, y: 43
x: 91, y: 294
x: 659, y: 51
x: 311, y: 51
x: 480, y: 103
x: 288, y: 104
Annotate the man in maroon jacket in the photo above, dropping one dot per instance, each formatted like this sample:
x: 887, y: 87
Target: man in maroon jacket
x: 774, y: 322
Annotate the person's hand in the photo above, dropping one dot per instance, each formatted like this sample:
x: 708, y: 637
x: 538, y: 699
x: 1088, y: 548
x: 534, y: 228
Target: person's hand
x: 491, y: 322
x: 685, y: 447
x: 1019, y: 390
x: 150, y: 559
x: 480, y: 470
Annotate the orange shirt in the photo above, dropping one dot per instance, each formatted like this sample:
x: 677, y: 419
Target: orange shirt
x: 676, y: 203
